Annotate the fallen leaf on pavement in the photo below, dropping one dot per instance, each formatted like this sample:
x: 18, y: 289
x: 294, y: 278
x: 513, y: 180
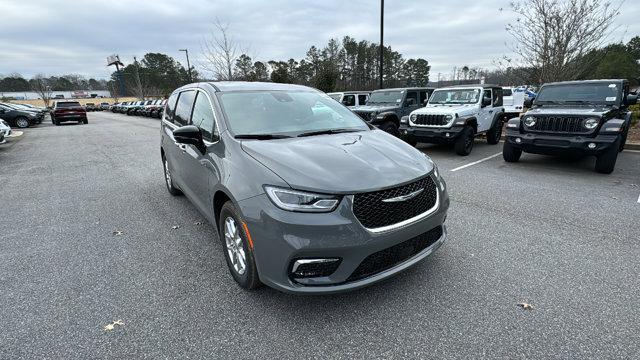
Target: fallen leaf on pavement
x: 199, y: 223
x: 112, y: 326
x: 526, y: 306
x: 118, y: 232
x: 175, y: 227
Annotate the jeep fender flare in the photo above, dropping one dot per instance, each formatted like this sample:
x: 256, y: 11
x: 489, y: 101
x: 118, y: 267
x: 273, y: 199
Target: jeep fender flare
x: 469, y: 121
x: 388, y: 116
x: 615, y: 126
x: 498, y: 115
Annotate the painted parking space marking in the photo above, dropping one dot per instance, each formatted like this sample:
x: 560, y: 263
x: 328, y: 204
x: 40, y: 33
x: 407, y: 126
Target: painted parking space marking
x: 476, y: 162
x: 638, y: 199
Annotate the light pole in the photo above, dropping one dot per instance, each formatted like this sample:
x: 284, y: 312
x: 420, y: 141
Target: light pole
x: 186, y: 51
x: 381, y: 41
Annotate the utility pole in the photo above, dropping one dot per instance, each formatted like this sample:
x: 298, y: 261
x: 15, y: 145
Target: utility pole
x: 381, y: 42
x: 186, y: 51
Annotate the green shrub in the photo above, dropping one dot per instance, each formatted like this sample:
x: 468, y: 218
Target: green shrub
x: 635, y: 109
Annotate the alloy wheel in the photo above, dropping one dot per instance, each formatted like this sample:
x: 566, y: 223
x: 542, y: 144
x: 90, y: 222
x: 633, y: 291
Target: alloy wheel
x: 22, y: 123
x: 235, y: 249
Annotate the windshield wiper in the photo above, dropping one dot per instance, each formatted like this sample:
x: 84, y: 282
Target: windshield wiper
x: 579, y: 102
x: 328, y: 131
x: 261, y: 136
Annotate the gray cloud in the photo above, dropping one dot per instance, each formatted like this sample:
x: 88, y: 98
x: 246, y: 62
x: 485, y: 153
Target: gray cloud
x: 57, y: 37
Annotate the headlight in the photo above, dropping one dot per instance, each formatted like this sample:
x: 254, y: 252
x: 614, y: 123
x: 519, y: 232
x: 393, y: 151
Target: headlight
x: 293, y: 200
x: 414, y: 117
x: 591, y: 123
x: 448, y: 117
x: 530, y: 121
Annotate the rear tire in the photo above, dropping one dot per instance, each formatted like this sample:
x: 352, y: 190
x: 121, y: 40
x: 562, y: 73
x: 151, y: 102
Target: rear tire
x: 390, y: 128
x: 495, y: 133
x: 464, y: 144
x: 237, y: 251
x: 606, y: 162
x: 510, y: 153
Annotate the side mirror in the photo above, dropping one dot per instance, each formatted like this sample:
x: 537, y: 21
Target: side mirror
x: 486, y: 101
x: 189, y: 134
x: 410, y: 102
x: 528, y: 102
x: 632, y: 99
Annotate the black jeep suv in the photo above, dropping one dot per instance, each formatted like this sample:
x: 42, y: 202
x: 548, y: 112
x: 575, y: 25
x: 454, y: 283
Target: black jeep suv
x: 574, y: 118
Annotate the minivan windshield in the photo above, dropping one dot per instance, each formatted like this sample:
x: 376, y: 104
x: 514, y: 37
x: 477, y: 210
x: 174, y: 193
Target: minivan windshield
x: 455, y: 96
x: 596, y: 93
x: 286, y: 113
x: 385, y: 97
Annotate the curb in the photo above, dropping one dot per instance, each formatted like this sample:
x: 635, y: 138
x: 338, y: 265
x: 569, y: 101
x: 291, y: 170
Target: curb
x: 632, y: 146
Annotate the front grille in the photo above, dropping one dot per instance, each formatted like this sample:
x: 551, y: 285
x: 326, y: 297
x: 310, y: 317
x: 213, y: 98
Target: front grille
x: 559, y: 124
x: 429, y: 119
x: 372, y: 212
x: 389, y: 257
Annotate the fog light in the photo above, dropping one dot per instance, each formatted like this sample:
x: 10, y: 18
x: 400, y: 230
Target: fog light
x: 447, y: 135
x: 306, y: 268
x: 518, y: 140
x: 591, y: 145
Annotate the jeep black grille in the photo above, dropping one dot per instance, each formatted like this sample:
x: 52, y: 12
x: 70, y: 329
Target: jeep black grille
x: 389, y: 257
x: 372, y: 212
x: 559, y: 124
x: 436, y: 120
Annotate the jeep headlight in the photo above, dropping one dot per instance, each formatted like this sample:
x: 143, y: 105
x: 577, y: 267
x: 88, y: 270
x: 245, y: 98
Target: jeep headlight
x: 591, y: 123
x: 448, y: 117
x: 530, y: 121
x: 414, y: 117
x: 293, y: 200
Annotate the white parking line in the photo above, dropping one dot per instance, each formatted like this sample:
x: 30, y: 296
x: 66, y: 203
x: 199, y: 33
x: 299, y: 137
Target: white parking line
x: 476, y: 162
x: 638, y: 199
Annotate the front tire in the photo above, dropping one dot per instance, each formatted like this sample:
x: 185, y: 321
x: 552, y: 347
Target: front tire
x: 606, y: 162
x: 237, y: 250
x: 168, y: 180
x: 464, y: 144
x: 390, y: 128
x: 510, y: 153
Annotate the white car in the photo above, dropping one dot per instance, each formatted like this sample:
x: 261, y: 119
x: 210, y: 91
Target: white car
x: 5, y: 131
x: 513, y: 102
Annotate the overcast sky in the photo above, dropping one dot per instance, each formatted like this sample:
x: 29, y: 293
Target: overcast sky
x: 74, y: 36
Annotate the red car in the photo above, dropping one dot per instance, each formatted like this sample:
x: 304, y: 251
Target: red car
x: 68, y: 111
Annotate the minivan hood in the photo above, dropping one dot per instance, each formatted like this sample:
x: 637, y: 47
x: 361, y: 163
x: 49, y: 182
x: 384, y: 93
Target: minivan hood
x: 341, y: 163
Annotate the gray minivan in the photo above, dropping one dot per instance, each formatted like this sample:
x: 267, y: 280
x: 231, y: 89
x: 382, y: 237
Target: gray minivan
x: 306, y: 196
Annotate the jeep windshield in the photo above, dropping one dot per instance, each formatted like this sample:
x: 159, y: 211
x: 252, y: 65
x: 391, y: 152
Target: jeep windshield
x: 336, y: 97
x: 266, y: 115
x: 455, y: 96
x: 586, y: 93
x: 386, y: 97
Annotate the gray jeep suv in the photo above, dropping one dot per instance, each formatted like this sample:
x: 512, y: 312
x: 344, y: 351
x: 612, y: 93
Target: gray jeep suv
x: 286, y: 175
x: 386, y: 107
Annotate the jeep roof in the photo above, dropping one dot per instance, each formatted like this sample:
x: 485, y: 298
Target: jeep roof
x: 578, y: 82
x: 407, y: 88
x: 484, y: 86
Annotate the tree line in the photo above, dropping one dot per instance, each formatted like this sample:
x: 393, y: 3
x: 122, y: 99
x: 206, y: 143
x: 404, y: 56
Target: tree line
x: 17, y: 83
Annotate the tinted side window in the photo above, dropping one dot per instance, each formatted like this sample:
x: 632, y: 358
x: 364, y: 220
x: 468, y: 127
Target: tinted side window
x: 497, y: 97
x: 349, y: 100
x: 203, y: 116
x: 183, y: 108
x: 487, y: 93
x: 362, y: 99
x: 412, y: 95
x: 171, y: 107
x: 423, y: 97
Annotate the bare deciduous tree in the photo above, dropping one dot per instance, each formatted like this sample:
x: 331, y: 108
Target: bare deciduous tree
x: 552, y: 36
x: 220, y: 52
x: 40, y: 85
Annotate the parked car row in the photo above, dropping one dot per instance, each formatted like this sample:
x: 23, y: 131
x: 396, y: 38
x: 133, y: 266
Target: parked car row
x: 96, y: 107
x: 148, y: 108
x: 21, y: 116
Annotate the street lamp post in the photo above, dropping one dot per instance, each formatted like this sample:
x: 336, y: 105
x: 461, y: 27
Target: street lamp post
x: 186, y: 51
x: 381, y: 42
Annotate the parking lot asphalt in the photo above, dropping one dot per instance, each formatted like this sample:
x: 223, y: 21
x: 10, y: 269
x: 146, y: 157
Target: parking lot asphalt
x: 87, y: 238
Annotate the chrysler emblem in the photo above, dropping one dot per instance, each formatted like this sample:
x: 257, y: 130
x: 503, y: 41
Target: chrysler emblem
x: 403, y: 197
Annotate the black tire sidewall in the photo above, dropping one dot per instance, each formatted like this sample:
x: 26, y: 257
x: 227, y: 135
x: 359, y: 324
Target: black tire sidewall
x: 606, y: 163
x: 460, y: 143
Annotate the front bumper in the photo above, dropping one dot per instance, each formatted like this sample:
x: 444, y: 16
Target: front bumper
x: 545, y: 144
x: 431, y: 134
x: 280, y: 237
